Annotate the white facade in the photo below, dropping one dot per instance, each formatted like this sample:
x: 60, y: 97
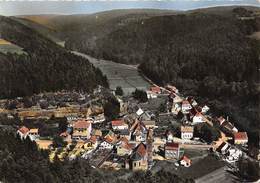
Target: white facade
x: 120, y: 127
x: 105, y: 145
x: 205, y: 109
x: 185, y: 163
x: 186, y: 135
x: 197, y: 119
x: 151, y: 94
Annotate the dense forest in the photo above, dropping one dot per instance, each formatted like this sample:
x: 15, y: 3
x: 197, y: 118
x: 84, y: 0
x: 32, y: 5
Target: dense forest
x: 205, y: 54
x: 22, y: 162
x: 45, y: 67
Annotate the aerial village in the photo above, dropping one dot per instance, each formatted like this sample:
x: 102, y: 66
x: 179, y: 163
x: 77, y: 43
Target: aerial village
x: 142, y: 134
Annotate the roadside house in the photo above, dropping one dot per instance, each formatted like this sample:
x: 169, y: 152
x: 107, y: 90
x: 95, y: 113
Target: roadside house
x: 23, y: 132
x: 185, y: 161
x: 171, y: 150
x: 240, y: 138
x: 119, y: 125
x: 187, y: 132
x: 81, y: 130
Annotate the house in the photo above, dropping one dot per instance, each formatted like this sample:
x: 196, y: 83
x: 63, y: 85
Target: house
x: 149, y: 124
x: 171, y: 150
x: 176, y: 108
x: 34, y: 134
x: 23, y: 132
x: 221, y: 120
x: 123, y: 147
x: 99, y: 118
x: 81, y: 130
x: 185, y: 161
x: 72, y: 118
x: 139, y: 112
x: 192, y: 101
x: 108, y: 143
x: 151, y: 94
x: 155, y: 89
x: 187, y: 132
x: 147, y: 115
x: 119, y: 125
x: 198, y: 118
x: 169, y: 136
x: 223, y: 148
x: 204, y: 109
x: 91, y: 143
x: 138, y: 132
x: 177, y: 99
x: 230, y: 128
x: 240, y: 138
x: 185, y: 107
x: 123, y: 133
x: 138, y: 158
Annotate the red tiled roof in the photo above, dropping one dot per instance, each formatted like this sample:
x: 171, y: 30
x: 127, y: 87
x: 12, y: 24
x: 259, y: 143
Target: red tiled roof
x: 81, y: 124
x: 187, y: 129
x: 118, y: 123
x: 221, y: 119
x: 24, y: 130
x: 198, y: 114
x: 155, y: 89
x: 109, y: 139
x: 141, y: 149
x: 186, y: 159
x: 240, y: 136
x: 171, y: 146
x: 93, y: 139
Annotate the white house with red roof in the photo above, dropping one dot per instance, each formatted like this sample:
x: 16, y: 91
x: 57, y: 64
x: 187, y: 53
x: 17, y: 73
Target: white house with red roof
x: 107, y: 143
x: 240, y: 138
x: 185, y: 106
x: 171, y: 150
x: 204, y: 109
x: 23, y: 132
x: 156, y: 89
x: 81, y: 130
x: 119, y: 125
x: 185, y: 161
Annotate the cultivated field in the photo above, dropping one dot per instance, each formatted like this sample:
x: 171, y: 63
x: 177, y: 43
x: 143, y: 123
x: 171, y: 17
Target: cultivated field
x: 6, y: 47
x: 126, y: 76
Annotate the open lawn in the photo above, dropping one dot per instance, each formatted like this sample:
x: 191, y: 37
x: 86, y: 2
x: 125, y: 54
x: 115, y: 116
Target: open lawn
x: 126, y: 76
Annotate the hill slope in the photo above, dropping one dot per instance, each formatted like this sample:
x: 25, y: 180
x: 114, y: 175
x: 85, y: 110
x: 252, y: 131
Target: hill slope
x: 46, y: 67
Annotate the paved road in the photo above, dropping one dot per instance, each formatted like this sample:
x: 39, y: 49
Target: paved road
x: 126, y: 76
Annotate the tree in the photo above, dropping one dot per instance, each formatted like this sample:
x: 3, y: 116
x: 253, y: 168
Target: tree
x: 58, y: 142
x: 119, y: 91
x: 207, y: 133
x: 248, y: 170
x: 63, y: 124
x: 111, y: 108
x: 140, y: 95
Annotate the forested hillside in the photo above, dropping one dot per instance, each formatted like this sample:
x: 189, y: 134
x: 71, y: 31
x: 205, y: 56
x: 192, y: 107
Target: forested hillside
x: 205, y: 54
x: 46, y: 67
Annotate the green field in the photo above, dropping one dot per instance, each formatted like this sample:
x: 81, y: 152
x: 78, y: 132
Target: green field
x: 126, y: 76
x: 11, y: 48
